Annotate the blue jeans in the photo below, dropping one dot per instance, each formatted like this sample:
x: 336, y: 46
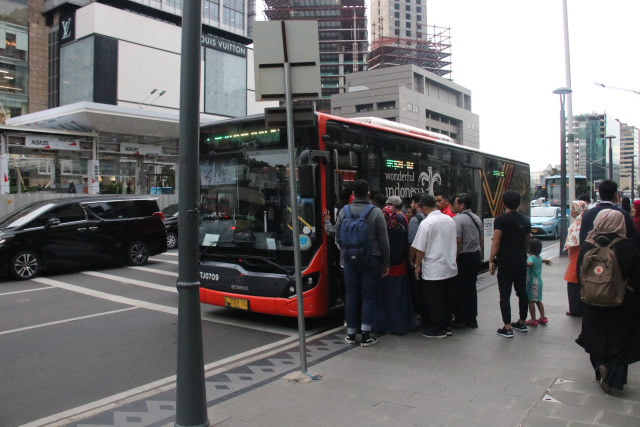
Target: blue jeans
x: 361, y: 283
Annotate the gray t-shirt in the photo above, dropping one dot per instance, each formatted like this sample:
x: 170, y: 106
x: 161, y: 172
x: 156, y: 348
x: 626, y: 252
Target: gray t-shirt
x: 467, y: 231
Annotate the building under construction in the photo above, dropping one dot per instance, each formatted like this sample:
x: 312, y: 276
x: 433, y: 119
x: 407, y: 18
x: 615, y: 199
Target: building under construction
x: 342, y: 32
x: 400, y: 36
x: 431, y: 53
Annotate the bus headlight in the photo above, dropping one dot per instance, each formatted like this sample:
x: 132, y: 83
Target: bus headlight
x: 309, y: 282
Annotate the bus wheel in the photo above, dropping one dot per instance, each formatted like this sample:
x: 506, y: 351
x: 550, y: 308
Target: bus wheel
x: 25, y: 265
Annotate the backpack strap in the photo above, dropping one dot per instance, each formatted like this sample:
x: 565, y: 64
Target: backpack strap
x: 366, y: 211
x: 347, y: 211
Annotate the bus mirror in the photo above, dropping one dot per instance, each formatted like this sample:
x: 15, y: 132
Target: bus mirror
x: 307, y: 180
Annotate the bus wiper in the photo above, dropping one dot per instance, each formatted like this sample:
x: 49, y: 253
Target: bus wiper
x: 268, y: 261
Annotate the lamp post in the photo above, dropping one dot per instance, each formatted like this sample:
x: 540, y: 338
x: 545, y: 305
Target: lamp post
x: 563, y: 92
x: 610, y: 138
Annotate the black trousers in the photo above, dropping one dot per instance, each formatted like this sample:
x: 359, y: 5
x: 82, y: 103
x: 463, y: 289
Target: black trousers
x: 575, y: 303
x: 466, y: 299
x: 512, y: 275
x: 438, y: 299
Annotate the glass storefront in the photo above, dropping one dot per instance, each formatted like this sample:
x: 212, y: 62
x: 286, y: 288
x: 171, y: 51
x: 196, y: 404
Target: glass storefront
x: 76, y: 72
x: 225, y: 84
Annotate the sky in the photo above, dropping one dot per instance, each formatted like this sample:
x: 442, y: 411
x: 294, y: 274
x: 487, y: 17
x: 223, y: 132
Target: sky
x: 510, y: 54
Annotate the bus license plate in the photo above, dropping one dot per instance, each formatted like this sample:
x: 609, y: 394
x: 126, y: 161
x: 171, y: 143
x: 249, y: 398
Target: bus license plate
x: 239, y: 303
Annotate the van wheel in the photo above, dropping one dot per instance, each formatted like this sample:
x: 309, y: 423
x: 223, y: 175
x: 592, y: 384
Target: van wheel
x: 172, y: 240
x: 137, y: 253
x: 25, y: 265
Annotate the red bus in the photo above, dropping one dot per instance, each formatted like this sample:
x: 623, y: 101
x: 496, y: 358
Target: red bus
x: 246, y: 238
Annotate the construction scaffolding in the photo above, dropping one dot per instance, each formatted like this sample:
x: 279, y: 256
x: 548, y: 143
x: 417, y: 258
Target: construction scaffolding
x: 431, y: 52
x: 342, y: 32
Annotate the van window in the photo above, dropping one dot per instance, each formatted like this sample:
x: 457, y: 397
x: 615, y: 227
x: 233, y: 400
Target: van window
x: 123, y: 209
x: 65, y: 213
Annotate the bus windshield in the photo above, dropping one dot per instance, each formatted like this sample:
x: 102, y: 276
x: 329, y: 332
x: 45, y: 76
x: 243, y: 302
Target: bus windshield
x: 246, y: 203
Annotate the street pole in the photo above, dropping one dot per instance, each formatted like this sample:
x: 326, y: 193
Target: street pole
x: 570, y: 135
x: 563, y: 91
x: 191, y: 399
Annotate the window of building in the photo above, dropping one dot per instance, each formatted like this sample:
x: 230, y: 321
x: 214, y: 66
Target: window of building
x: 419, y: 18
x: 76, y: 71
x: 388, y: 105
x: 397, y: 23
x: 396, y: 6
x: 397, y: 32
x: 363, y: 108
x: 407, y: 24
x: 14, y: 43
x: 225, y: 84
x: 408, y: 33
x: 54, y: 68
x: 407, y: 16
x: 418, y: 9
x: 396, y: 15
x: 407, y: 8
x: 15, y: 12
x: 210, y: 11
x: 419, y: 35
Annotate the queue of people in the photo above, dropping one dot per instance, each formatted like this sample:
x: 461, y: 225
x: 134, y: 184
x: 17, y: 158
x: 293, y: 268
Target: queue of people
x: 424, y: 256
x: 421, y: 269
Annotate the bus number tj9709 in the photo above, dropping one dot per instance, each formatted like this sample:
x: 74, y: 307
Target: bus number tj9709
x: 209, y: 276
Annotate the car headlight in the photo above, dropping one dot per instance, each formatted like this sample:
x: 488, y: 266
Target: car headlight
x: 548, y: 223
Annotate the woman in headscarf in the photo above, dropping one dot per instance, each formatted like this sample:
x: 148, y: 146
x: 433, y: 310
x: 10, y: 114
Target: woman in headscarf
x: 572, y: 244
x: 635, y: 214
x: 611, y: 335
x: 394, y: 303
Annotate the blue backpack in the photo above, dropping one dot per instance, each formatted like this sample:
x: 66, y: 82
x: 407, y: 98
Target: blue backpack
x: 354, y: 237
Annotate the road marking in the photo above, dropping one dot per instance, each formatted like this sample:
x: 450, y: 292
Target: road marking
x: 106, y: 296
x: 131, y: 281
x: 73, y: 319
x: 153, y: 270
x: 156, y: 387
x: 166, y: 261
x: 26, y: 290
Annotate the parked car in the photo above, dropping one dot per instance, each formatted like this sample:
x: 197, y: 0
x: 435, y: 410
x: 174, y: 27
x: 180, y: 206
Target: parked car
x: 171, y: 224
x: 545, y: 221
x: 80, y: 231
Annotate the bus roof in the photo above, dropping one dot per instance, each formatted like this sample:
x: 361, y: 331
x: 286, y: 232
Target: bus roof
x: 382, y: 124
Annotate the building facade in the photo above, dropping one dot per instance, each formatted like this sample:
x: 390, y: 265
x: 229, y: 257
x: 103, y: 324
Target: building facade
x: 593, y: 157
x: 413, y: 96
x: 112, y: 75
x: 342, y: 34
x: 629, y: 156
x: 400, y: 35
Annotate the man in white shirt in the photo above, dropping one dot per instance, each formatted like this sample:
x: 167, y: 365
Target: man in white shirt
x: 434, y: 263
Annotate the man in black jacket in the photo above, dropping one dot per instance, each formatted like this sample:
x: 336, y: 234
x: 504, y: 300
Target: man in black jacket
x: 609, y: 195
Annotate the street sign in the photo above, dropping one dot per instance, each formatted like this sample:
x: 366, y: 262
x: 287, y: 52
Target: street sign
x: 292, y: 42
x: 303, y: 116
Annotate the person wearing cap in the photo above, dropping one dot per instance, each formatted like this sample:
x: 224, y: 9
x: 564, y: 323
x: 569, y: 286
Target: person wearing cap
x: 394, y: 297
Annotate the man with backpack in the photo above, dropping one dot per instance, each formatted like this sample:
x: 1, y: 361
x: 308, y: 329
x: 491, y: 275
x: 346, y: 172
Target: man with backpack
x: 361, y: 233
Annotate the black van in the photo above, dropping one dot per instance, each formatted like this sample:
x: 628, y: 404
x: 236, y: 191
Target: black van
x: 80, y: 231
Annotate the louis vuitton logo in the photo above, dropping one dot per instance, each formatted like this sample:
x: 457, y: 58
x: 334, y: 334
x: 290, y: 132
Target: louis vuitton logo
x: 66, y: 28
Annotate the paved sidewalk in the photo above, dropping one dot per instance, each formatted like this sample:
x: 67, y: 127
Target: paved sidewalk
x: 474, y: 378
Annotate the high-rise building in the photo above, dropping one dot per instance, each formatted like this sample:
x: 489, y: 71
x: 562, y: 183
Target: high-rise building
x: 592, y: 144
x: 629, y: 156
x: 400, y: 36
x: 342, y: 33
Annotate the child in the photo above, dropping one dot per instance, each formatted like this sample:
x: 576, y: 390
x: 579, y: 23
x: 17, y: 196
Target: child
x: 534, y: 282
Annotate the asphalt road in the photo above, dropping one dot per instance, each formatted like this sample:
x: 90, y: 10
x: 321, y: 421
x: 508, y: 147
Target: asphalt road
x: 85, y: 338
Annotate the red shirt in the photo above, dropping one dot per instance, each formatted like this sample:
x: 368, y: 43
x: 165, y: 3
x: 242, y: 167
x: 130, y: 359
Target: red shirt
x: 447, y: 211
